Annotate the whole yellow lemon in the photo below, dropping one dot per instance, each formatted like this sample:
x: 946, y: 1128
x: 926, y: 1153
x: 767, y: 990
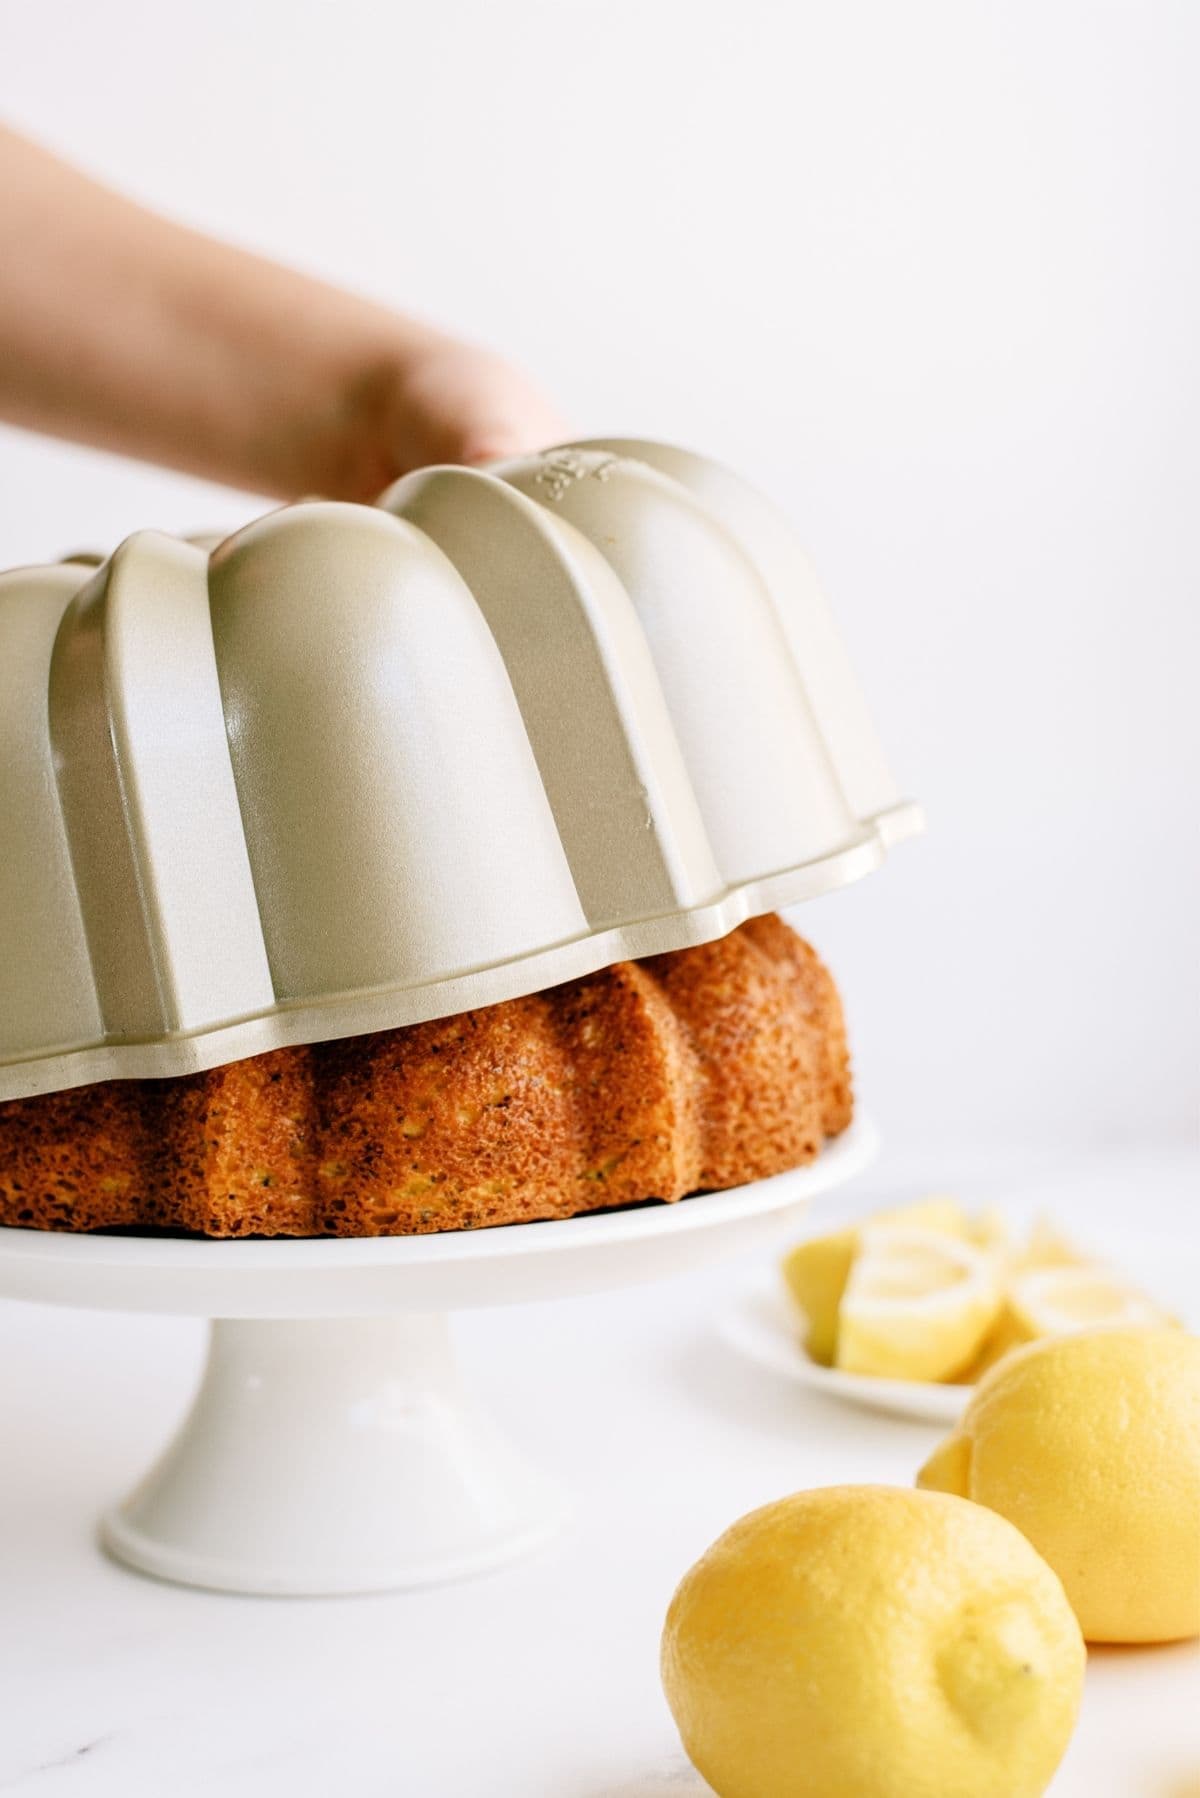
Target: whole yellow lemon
x: 1090, y: 1444
x: 871, y: 1642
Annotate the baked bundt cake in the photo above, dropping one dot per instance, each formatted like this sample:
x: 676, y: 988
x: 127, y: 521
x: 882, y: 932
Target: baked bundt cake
x: 696, y: 1070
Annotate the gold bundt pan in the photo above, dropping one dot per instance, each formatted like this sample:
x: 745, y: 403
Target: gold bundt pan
x: 366, y: 766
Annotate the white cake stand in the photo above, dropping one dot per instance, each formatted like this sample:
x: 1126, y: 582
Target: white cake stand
x: 330, y: 1447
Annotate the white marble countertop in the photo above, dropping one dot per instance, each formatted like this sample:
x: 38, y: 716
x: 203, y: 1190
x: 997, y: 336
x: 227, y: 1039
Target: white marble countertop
x: 537, y: 1682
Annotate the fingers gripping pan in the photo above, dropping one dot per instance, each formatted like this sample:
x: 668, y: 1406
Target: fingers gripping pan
x: 366, y: 766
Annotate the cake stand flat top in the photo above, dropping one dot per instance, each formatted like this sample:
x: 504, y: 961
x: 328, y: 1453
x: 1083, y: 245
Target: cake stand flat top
x: 363, y: 1276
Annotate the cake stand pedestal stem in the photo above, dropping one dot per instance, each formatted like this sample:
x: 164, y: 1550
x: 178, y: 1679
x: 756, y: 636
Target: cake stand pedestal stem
x: 331, y: 1455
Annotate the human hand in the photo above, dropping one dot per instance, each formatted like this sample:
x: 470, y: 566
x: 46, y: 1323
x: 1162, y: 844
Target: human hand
x: 453, y: 402
x: 124, y: 330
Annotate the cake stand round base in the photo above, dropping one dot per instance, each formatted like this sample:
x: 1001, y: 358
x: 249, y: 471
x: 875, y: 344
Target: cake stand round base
x: 330, y: 1447
x: 332, y: 1456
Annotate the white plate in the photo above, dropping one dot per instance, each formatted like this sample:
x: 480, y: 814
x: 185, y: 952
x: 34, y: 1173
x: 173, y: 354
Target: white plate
x: 763, y: 1326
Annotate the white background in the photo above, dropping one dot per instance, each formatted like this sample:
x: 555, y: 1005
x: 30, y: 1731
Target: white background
x: 927, y: 273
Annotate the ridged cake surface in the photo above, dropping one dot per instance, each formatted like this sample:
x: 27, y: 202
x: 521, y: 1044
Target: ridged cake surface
x: 700, y: 1069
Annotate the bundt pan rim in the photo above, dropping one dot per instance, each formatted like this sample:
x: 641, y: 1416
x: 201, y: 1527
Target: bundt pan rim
x: 617, y: 535
x: 292, y: 1025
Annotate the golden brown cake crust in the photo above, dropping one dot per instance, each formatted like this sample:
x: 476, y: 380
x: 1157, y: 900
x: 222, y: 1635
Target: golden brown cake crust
x: 649, y: 1080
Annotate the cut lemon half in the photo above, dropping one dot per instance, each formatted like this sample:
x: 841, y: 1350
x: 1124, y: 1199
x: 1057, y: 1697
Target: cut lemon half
x: 917, y: 1305
x: 1052, y: 1301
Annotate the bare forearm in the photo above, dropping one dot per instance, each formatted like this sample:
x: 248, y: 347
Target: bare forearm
x: 120, y: 329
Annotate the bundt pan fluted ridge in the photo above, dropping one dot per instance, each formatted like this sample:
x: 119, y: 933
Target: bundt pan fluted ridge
x: 367, y: 767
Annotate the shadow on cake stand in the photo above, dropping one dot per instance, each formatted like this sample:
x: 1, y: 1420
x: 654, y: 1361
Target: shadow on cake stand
x: 331, y: 1447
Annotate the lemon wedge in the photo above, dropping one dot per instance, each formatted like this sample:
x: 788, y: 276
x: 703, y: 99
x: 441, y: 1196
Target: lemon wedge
x: 917, y: 1305
x: 1052, y: 1301
x: 1047, y: 1247
x: 816, y: 1271
x: 1008, y: 1332
x: 989, y: 1228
